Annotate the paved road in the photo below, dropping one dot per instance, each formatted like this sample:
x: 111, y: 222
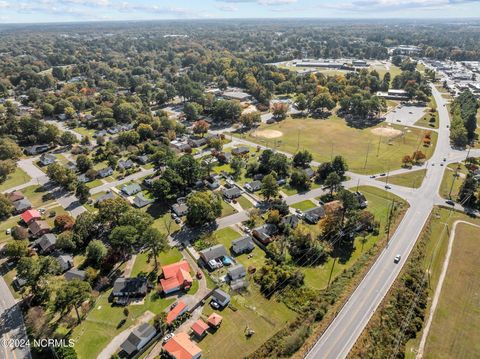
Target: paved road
x: 342, y: 334
x: 12, y: 327
x: 132, y: 177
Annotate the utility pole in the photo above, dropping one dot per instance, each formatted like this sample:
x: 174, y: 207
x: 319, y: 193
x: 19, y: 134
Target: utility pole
x: 366, y: 156
x: 453, y: 182
x: 378, y: 147
x: 331, y: 272
x: 390, y: 220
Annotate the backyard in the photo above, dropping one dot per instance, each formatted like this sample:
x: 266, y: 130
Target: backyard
x: 16, y: 178
x: 369, y: 150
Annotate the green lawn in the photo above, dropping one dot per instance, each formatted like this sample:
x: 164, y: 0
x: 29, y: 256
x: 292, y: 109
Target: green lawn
x: 304, y: 205
x: 379, y: 203
x: 84, y: 131
x: 244, y: 202
x: 425, y: 120
x: 332, y: 136
x: 290, y: 191
x: 411, y: 179
x: 226, y: 235
x: 7, y: 224
x: 102, y: 323
x: 263, y: 316
x: 94, y: 183
x: 17, y: 178
x: 35, y: 195
x: 227, y: 210
x: 452, y: 182
x: 143, y: 264
x: 162, y: 218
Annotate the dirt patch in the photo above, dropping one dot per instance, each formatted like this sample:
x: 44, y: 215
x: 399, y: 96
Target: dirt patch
x: 386, y: 132
x: 267, y: 134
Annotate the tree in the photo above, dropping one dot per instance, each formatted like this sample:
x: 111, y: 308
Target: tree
x: 302, y: 242
x: 280, y: 110
x: 124, y: 238
x: 64, y: 222
x: 61, y: 175
x: 65, y: 241
x: 269, y: 187
x: 466, y: 196
x: 301, y: 102
x: 155, y: 242
x: 96, y: 252
x: 110, y: 210
x: 418, y: 156
x: 67, y: 138
x: 302, y: 159
x: 299, y: 180
x: 250, y: 118
x: 85, y: 228
x: 71, y: 295
x: 192, y: 111
x: 9, y: 150
x: 333, y: 181
x: 16, y: 249
x: 339, y: 165
x: 321, y: 102
x: 128, y: 138
x: 82, y: 192
x: 6, y: 167
x: 237, y: 164
x: 36, y: 270
x: 203, y: 207
x: 84, y: 163
x: 201, y: 127
x: 407, y: 161
x: 145, y: 131
x: 6, y: 207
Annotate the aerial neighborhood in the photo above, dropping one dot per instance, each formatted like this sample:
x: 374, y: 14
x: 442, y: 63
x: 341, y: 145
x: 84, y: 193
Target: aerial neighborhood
x: 186, y: 190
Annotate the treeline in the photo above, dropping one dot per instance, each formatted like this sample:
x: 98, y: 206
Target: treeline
x: 464, y: 119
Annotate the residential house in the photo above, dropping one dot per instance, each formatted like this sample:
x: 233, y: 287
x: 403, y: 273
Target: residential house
x: 176, y: 277
x: 109, y: 195
x: 333, y: 207
x: 264, y: 233
x: 18, y: 283
x: 22, y: 205
x: 314, y: 215
x: 47, y: 159
x: 224, y: 157
x: 143, y: 159
x: 125, y: 164
x: 290, y: 221
x: 242, y: 245
x: 39, y: 228
x: 15, y: 196
x: 149, y: 181
x: 105, y: 172
x: 213, y: 253
x: 195, y: 142
x: 220, y: 297
x: 309, y: 172
x: 30, y: 215
x: 141, y: 201
x: 214, y: 320
x: 83, y: 178
x: 180, y: 146
x: 181, y: 347
x: 240, y: 151
x: 65, y: 261
x: 362, y: 200
x: 35, y: 150
x: 73, y: 274
x: 129, y: 287
x: 179, y: 309
x: 237, y: 95
x: 180, y: 209
x: 231, y: 193
x: 138, y: 338
x: 101, y: 133
x: 236, y: 272
x: 211, y: 182
x: 253, y: 186
x: 46, y: 243
x: 131, y: 189
x: 199, y: 328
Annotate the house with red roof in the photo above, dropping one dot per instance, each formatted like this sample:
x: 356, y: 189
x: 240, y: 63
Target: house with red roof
x: 214, y: 320
x: 181, y: 347
x: 176, y: 277
x: 177, y: 311
x: 200, y: 328
x: 30, y: 216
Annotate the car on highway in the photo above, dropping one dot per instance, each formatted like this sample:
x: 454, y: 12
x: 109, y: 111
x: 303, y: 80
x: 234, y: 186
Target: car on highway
x: 450, y: 202
x: 373, y: 176
x: 444, y: 159
x: 388, y: 186
x: 383, y: 174
x: 397, y: 258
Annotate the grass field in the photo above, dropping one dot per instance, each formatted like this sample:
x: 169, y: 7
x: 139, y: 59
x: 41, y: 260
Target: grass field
x: 244, y: 202
x: 332, y: 136
x: 456, y: 322
x: 411, y: 179
x: 304, y: 205
x: 145, y: 264
x: 226, y: 235
x: 451, y: 182
x: 379, y: 203
x: 16, y: 178
x: 227, y: 210
x: 425, y: 120
x: 263, y: 316
x: 437, y: 234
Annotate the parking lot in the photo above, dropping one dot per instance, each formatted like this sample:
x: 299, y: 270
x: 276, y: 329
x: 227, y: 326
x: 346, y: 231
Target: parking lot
x: 405, y: 115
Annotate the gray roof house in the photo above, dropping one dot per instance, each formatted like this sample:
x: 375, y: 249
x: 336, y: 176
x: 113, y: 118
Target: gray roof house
x: 129, y: 287
x: 214, y: 252
x: 264, y: 233
x: 46, y: 242
x: 105, y: 172
x: 131, y: 189
x: 140, y: 201
x: 47, y: 159
x: 362, y: 200
x: 138, y: 338
x: 125, y: 164
x: 221, y: 297
x: 290, y: 220
x: 74, y: 273
x: 239, y: 151
x: 35, y: 150
x: 236, y: 272
x: 197, y: 141
x: 231, y: 193
x: 83, y: 178
x: 309, y: 172
x: 253, y: 186
x: 65, y: 261
x: 180, y: 209
x: 106, y: 196
x: 22, y: 205
x: 143, y: 159
x: 242, y: 245
x: 313, y: 215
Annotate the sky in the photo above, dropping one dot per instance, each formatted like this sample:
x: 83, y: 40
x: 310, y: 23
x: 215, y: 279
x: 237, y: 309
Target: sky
x: 35, y: 11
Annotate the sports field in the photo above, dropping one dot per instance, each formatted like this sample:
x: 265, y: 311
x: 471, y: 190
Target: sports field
x: 371, y: 150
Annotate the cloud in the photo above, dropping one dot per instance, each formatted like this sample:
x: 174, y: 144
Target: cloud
x: 395, y: 5
x: 262, y: 2
x: 228, y: 8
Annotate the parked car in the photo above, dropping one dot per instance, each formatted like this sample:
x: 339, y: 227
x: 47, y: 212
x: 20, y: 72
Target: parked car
x: 450, y: 202
x: 373, y: 176
x: 167, y: 337
x: 383, y: 174
x: 388, y: 186
x: 214, y: 305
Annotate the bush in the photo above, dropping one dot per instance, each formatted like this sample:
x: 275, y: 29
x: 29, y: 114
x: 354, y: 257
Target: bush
x: 20, y: 232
